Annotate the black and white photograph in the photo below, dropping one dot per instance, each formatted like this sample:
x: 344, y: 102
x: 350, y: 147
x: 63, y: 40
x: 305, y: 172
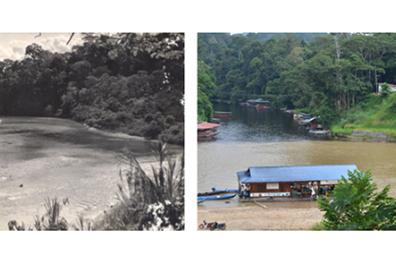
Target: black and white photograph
x: 91, y: 131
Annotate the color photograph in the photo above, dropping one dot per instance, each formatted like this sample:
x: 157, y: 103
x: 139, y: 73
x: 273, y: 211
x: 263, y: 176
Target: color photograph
x: 296, y: 131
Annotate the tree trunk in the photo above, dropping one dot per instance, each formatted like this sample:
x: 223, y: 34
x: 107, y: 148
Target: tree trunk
x: 376, y: 81
x: 338, y: 72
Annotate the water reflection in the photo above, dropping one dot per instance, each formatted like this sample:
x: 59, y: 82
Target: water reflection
x: 272, y: 138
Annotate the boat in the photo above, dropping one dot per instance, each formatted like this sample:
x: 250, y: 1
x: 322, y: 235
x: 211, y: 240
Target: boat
x: 259, y: 104
x: 301, y: 116
x: 214, y: 189
x: 222, y: 115
x: 320, y: 133
x: 217, y: 194
x: 207, y: 131
x: 216, y: 197
x: 215, y: 120
x: 262, y: 107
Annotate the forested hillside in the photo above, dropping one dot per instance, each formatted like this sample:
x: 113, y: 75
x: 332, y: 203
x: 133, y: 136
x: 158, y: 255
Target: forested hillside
x: 128, y: 82
x: 325, y: 74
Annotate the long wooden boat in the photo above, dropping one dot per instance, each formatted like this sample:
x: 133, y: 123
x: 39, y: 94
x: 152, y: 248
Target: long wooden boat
x: 218, y: 191
x: 216, y: 197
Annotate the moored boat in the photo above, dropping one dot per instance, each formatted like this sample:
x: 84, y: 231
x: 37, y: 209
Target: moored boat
x: 216, y: 194
x: 207, y: 131
x: 320, y: 133
x: 260, y: 104
x: 216, y: 197
x: 222, y: 115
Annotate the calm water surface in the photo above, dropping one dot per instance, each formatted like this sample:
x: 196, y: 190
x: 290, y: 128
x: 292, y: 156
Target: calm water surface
x: 272, y: 138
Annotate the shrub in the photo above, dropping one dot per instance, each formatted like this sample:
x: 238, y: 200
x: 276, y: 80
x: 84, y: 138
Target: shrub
x: 356, y: 205
x: 385, y: 90
x: 149, y: 202
x: 174, y: 134
x: 152, y: 130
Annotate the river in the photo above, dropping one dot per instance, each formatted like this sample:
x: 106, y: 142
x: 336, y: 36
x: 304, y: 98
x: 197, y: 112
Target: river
x: 272, y: 138
x: 50, y: 157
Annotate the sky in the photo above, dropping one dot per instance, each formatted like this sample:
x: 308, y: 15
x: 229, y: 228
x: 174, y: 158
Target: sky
x: 12, y: 45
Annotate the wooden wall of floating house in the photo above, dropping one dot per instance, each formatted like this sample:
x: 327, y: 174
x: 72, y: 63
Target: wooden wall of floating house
x: 262, y: 187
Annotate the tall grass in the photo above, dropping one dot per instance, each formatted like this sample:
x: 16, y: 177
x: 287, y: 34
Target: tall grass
x: 376, y: 114
x: 51, y: 220
x: 149, y: 201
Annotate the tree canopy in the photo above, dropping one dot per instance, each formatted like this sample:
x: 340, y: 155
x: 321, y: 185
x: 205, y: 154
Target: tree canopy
x: 318, y: 72
x: 206, y: 88
x: 125, y: 81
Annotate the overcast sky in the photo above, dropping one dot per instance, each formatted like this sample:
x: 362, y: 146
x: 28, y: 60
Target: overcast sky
x: 12, y: 45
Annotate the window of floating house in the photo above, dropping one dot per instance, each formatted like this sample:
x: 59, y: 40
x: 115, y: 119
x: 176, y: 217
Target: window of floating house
x: 273, y: 186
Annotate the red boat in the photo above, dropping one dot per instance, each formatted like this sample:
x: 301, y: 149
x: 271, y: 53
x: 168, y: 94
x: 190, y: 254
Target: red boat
x: 207, y: 131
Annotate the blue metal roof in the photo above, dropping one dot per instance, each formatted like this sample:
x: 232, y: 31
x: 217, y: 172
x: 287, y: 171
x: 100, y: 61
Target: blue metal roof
x: 295, y: 173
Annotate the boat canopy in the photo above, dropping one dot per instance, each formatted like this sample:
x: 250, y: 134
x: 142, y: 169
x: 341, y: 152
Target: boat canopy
x: 307, y: 121
x: 207, y: 125
x: 300, y: 173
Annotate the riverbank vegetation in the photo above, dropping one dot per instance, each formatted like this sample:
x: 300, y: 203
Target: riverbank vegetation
x: 377, y: 114
x: 128, y: 82
x: 357, y: 205
x: 146, y: 201
x: 206, y: 87
x: 324, y: 74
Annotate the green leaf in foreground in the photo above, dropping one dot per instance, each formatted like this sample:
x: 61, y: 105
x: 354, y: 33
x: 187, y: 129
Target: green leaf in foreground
x: 357, y: 205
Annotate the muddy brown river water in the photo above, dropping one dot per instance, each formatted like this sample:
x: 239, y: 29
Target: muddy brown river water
x: 218, y: 162
x: 272, y: 138
x: 50, y: 157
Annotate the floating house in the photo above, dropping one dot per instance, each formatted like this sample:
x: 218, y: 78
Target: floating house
x: 291, y: 181
x: 207, y: 131
x: 222, y: 115
x: 259, y: 104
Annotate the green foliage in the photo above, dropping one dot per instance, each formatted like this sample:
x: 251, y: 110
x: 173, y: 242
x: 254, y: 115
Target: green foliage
x: 110, y: 81
x: 206, y: 87
x: 205, y: 107
x: 385, y: 90
x: 375, y: 114
x: 356, y: 205
x: 326, y: 114
x: 329, y: 72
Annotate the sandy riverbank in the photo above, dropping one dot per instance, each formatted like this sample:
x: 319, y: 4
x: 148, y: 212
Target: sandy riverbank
x: 298, y: 215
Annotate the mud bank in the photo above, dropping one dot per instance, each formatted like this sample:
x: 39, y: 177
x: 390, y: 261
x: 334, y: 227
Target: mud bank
x: 297, y: 215
x: 365, y: 136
